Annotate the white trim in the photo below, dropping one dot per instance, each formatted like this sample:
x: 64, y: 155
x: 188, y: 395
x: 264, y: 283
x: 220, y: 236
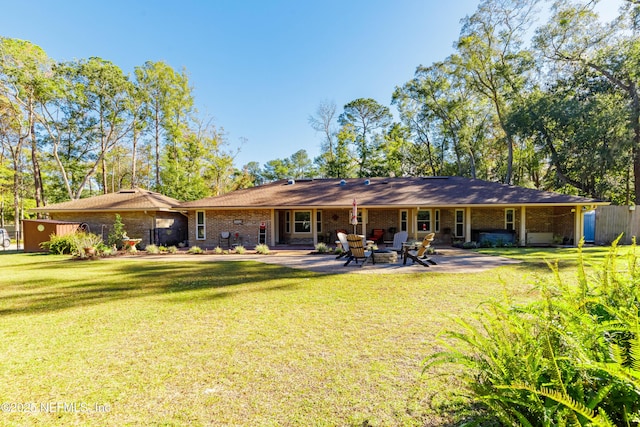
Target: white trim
x: 202, y: 225
x: 456, y: 223
x: 429, y: 228
x: 523, y: 226
x: 513, y: 219
x: 311, y: 222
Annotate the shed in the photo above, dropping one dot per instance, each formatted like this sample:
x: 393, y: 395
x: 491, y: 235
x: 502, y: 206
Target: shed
x: 37, y: 231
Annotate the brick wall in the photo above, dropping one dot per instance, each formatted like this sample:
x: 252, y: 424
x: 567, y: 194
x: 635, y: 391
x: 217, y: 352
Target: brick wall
x: 557, y: 220
x: 246, y: 228
x: 138, y: 225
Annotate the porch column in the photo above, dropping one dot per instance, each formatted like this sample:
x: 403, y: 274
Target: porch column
x: 272, y: 235
x: 314, y: 227
x: 523, y: 226
x: 467, y: 224
x: 365, y: 220
x: 578, y: 231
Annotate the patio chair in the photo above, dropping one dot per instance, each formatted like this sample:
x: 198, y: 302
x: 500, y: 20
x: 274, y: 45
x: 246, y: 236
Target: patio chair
x: 342, y: 238
x: 398, y: 239
x: 357, y: 251
x: 377, y: 235
x: 225, y: 235
x: 418, y: 255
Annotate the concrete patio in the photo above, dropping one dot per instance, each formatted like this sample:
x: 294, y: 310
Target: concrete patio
x: 449, y: 260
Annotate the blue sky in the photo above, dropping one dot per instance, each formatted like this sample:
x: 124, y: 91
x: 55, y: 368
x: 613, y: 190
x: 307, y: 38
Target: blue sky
x: 259, y: 68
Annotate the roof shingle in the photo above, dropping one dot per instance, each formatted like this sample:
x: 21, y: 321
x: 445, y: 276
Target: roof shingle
x: 136, y: 199
x: 385, y: 192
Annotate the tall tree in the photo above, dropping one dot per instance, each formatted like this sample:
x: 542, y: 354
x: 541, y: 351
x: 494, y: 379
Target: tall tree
x: 490, y: 54
x: 369, y: 121
x: 576, y: 38
x: 323, y: 122
x: 87, y: 119
x: 168, y: 100
x: 25, y: 69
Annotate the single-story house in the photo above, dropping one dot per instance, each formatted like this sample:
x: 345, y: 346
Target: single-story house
x: 145, y: 214
x: 457, y: 209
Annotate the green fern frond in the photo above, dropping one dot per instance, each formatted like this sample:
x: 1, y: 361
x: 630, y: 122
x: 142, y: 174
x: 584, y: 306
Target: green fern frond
x: 600, y: 395
x: 567, y: 401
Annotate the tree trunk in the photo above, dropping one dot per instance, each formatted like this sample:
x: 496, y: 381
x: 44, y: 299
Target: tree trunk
x: 133, y: 155
x: 35, y: 163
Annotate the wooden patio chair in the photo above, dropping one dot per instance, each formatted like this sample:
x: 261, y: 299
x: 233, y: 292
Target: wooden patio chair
x: 419, y: 254
x: 357, y: 251
x: 398, y: 239
x: 342, y: 238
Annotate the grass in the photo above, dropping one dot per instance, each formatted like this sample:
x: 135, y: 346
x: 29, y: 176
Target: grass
x: 140, y: 342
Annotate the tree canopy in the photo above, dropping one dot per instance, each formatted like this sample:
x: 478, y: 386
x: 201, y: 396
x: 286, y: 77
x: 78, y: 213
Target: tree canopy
x: 555, y: 107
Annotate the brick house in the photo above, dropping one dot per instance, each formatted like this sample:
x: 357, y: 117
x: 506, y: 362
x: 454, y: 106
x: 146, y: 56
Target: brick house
x: 457, y: 209
x: 146, y: 215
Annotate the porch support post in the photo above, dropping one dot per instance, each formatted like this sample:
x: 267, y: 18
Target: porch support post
x: 314, y: 227
x: 467, y: 224
x: 578, y: 231
x: 272, y: 228
x: 523, y: 226
x: 365, y: 219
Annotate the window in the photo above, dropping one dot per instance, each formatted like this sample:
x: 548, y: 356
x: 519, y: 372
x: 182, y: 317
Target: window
x: 459, y: 222
x: 436, y: 220
x: 302, y: 222
x: 200, y: 226
x: 509, y: 219
x: 319, y: 221
x: 404, y: 220
x: 424, y: 220
x: 287, y: 222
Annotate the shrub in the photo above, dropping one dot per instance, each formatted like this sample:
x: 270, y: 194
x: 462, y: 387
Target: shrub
x: 570, y: 358
x: 218, y: 250
x: 172, y: 250
x: 195, y: 250
x: 162, y: 249
x: 338, y: 250
x: 58, y: 245
x: 106, y: 251
x: 262, y: 249
x: 240, y: 249
x: 85, y: 245
x: 152, y: 249
x: 117, y: 233
x: 322, y: 248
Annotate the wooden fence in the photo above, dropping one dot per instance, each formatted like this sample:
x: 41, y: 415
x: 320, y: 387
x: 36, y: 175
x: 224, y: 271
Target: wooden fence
x: 613, y: 220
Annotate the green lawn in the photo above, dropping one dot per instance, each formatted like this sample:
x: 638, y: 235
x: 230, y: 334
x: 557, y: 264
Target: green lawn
x: 135, y: 342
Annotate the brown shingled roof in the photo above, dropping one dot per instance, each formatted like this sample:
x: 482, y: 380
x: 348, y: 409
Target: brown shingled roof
x: 386, y: 192
x: 135, y: 199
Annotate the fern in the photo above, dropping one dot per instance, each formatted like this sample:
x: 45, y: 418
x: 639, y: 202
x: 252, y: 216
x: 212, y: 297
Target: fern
x: 587, y: 370
x: 567, y: 401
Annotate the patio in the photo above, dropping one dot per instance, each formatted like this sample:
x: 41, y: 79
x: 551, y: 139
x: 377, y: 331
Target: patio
x: 449, y: 260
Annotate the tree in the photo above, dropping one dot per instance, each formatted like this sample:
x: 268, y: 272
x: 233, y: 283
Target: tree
x: 87, y: 118
x: 323, y: 122
x: 168, y: 101
x: 447, y: 120
x: 578, y: 126
x: 575, y: 38
x: 490, y: 55
x: 368, y: 120
x: 24, y: 82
